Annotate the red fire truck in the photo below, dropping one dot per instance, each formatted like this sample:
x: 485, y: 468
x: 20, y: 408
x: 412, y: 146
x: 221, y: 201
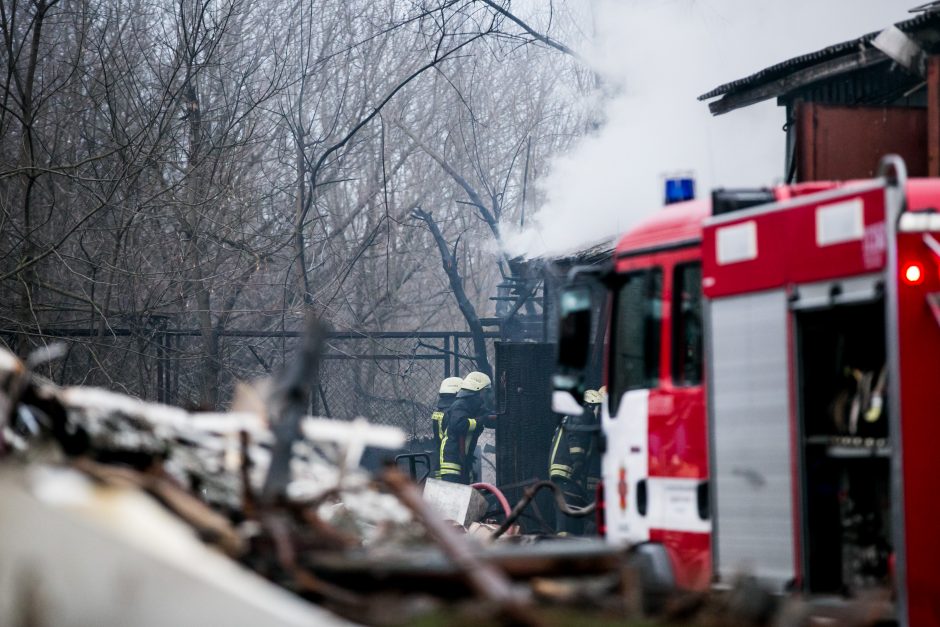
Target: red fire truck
x: 771, y: 358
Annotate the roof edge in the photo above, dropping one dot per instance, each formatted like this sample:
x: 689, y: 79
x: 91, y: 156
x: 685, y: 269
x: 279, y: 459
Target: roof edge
x: 815, y: 58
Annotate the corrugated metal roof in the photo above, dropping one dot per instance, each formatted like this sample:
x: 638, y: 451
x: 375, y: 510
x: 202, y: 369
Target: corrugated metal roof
x: 808, y: 60
x: 583, y: 252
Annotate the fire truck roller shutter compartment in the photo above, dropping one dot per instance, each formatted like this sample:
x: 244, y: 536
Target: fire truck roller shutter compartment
x: 843, y: 426
x: 751, y: 438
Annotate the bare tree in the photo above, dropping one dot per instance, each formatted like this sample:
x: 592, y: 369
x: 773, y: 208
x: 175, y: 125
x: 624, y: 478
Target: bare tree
x: 170, y: 167
x: 485, y: 149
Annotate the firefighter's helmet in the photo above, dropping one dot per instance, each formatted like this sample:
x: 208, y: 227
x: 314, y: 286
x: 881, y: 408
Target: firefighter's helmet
x: 593, y: 397
x: 450, y: 385
x: 475, y: 381
x: 602, y: 391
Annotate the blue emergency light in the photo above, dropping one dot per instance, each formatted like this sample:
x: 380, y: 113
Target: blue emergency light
x: 679, y: 190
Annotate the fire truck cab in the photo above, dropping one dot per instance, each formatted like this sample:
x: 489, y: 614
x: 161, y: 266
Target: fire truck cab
x: 772, y: 363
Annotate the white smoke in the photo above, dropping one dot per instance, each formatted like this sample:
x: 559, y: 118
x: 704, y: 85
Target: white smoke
x: 658, y: 56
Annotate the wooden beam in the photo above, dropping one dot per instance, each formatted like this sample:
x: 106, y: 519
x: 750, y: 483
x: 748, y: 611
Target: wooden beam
x: 828, y: 69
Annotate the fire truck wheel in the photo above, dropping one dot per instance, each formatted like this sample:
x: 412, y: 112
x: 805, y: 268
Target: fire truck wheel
x: 651, y: 563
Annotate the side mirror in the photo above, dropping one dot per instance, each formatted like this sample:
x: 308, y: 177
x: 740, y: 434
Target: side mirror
x: 574, y: 340
x: 565, y: 403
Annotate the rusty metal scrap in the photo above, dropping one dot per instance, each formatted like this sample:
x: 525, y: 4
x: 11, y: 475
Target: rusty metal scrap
x: 488, y: 582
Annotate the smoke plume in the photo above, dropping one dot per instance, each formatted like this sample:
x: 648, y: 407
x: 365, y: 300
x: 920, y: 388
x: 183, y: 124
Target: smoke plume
x: 655, y: 57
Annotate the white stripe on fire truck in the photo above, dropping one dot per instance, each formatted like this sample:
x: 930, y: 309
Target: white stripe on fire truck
x: 672, y: 505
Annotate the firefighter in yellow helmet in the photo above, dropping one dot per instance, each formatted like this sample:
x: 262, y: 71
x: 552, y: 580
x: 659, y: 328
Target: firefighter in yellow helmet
x: 463, y: 424
x: 572, y: 448
x: 445, y: 398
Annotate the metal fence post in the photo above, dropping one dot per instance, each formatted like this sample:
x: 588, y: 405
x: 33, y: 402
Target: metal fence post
x: 446, y: 356
x: 161, y: 368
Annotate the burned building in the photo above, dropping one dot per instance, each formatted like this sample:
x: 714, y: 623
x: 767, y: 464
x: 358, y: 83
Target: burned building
x: 849, y: 104
x: 525, y: 361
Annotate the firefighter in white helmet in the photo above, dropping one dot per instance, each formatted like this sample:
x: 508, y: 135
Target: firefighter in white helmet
x: 463, y: 424
x: 445, y: 398
x: 569, y: 460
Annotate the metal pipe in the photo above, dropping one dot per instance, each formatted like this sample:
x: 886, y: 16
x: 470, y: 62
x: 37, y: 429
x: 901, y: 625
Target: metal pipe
x: 894, y: 173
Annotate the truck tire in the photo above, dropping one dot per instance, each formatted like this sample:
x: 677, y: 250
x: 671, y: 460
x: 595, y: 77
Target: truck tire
x: 651, y: 563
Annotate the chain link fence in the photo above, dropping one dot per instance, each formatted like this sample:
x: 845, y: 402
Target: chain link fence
x: 390, y: 378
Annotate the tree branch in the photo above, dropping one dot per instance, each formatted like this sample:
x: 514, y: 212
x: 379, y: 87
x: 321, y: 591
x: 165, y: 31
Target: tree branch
x: 545, y: 39
x: 315, y: 170
x: 475, y: 199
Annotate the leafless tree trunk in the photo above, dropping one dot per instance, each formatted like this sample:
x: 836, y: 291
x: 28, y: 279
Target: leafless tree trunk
x: 449, y: 263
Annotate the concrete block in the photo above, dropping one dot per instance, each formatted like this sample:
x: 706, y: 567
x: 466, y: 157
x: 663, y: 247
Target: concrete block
x: 455, y: 501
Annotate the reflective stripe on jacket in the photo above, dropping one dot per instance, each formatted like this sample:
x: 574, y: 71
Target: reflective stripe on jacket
x: 437, y: 426
x: 560, y: 458
x: 571, y: 445
x: 462, y: 427
x: 458, y: 444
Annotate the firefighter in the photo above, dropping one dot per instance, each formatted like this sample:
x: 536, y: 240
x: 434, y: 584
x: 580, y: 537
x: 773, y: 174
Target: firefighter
x: 463, y: 424
x: 593, y: 457
x: 570, y: 459
x: 445, y: 398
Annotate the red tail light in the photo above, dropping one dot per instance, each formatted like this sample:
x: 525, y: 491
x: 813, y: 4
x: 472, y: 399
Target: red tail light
x: 599, y: 517
x: 913, y: 273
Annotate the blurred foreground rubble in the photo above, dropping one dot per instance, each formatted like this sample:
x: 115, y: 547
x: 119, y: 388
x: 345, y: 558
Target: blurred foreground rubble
x: 121, y: 512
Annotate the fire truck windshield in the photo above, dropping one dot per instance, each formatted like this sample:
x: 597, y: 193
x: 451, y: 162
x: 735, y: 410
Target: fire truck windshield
x: 636, y: 328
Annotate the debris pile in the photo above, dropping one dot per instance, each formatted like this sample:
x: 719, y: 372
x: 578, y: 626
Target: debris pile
x: 280, y: 492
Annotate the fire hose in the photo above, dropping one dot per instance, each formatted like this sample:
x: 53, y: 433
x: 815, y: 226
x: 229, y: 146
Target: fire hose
x: 492, y: 489
x: 529, y: 495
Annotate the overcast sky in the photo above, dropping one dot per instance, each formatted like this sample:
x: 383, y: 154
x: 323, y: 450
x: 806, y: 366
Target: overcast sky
x: 660, y: 55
